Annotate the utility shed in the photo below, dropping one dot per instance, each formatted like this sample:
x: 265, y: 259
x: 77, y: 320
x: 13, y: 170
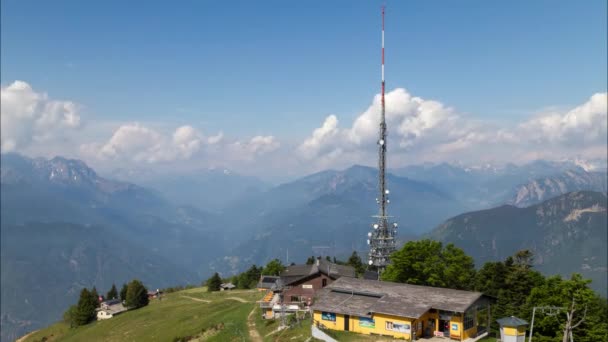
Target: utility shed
x: 512, y: 329
x: 401, y: 310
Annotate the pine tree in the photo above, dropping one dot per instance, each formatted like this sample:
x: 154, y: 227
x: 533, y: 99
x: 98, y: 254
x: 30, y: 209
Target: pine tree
x: 113, y: 293
x: 95, y: 295
x: 137, y: 295
x: 213, y: 284
x: 85, y: 310
x: 356, y: 263
x: 123, y: 292
x: 310, y: 260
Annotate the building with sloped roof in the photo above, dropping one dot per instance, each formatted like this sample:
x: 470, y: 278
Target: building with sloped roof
x: 110, y: 308
x: 266, y: 282
x: 296, y: 287
x: 402, y: 310
x: 512, y: 329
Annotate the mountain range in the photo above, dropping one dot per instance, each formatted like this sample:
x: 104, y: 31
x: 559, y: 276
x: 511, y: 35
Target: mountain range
x: 85, y: 230
x: 567, y: 234
x: 64, y: 227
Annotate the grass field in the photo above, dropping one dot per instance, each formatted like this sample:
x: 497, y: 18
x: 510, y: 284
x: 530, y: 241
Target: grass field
x: 217, y: 316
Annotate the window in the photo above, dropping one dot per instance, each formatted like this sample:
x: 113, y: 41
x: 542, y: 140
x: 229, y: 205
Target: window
x: 306, y: 286
x: 295, y: 299
x: 324, y: 283
x: 469, y: 320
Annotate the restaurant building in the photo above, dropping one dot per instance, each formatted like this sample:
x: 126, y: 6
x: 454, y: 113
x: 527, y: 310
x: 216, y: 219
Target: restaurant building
x: 402, y: 311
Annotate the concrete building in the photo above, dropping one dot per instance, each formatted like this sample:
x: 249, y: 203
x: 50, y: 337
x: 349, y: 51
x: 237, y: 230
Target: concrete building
x: 401, y: 310
x: 110, y: 308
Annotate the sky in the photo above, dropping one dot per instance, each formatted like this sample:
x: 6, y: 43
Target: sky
x: 274, y: 87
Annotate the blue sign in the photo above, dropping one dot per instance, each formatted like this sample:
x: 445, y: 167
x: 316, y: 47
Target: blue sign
x: 328, y: 316
x: 366, y: 322
x: 454, y: 326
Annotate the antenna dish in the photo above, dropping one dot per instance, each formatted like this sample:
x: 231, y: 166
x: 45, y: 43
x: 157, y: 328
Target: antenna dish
x: 375, y: 226
x: 368, y: 242
x: 371, y: 262
x: 381, y: 142
x: 395, y: 225
x: 386, y: 191
x: 369, y: 234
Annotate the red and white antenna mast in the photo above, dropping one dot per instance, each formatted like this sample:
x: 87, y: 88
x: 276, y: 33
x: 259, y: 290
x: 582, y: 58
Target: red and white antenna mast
x: 382, y: 237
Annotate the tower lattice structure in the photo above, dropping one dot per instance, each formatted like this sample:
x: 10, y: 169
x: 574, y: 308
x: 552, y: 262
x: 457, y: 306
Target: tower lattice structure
x: 381, y: 238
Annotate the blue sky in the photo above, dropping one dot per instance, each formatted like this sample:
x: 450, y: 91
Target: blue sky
x: 279, y: 68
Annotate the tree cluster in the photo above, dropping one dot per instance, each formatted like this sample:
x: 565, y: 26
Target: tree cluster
x: 250, y: 278
x: 515, y: 284
x: 134, y: 294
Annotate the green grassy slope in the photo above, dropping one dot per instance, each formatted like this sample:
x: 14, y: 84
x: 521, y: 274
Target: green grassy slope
x: 179, y: 314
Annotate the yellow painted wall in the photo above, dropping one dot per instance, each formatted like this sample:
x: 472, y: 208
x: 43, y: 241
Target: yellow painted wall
x: 458, y: 321
x: 379, y: 324
x: 337, y: 325
x: 513, y: 331
x: 470, y: 333
x: 521, y: 330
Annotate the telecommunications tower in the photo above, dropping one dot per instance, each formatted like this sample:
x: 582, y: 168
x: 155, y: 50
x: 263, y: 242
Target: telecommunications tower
x: 381, y: 238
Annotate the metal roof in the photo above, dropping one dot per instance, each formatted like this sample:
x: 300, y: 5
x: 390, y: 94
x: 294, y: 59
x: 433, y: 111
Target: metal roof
x: 294, y: 273
x: 405, y: 300
x: 511, y: 321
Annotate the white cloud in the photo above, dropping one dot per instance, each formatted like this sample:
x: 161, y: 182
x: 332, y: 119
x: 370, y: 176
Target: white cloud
x: 252, y: 149
x: 137, y: 143
x: 584, y: 124
x: 215, y: 139
x: 426, y: 130
x: 410, y: 120
x: 30, y: 117
x: 321, y: 138
x: 420, y: 130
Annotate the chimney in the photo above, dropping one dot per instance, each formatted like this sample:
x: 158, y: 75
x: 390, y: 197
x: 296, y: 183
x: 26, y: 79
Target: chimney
x: 318, y: 260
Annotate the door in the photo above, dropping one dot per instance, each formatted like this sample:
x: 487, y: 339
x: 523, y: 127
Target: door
x: 346, y: 321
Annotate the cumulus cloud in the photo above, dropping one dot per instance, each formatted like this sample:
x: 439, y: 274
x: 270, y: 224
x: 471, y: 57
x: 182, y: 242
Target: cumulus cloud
x: 410, y: 119
x: 321, y: 138
x: 584, y: 124
x: 427, y: 130
x: 135, y: 142
x: 32, y: 117
x: 420, y: 130
x: 252, y: 149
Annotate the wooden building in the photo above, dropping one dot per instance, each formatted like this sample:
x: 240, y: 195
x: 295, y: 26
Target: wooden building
x: 297, y: 285
x: 401, y: 310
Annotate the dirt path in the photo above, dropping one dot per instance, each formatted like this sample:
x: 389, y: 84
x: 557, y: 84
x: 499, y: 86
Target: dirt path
x: 197, y: 299
x: 22, y: 338
x: 237, y: 299
x: 253, y: 332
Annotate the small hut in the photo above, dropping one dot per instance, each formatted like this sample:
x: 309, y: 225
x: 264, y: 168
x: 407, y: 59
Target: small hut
x: 512, y: 329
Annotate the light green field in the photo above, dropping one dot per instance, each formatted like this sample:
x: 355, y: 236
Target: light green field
x: 223, y: 316
x: 217, y: 316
